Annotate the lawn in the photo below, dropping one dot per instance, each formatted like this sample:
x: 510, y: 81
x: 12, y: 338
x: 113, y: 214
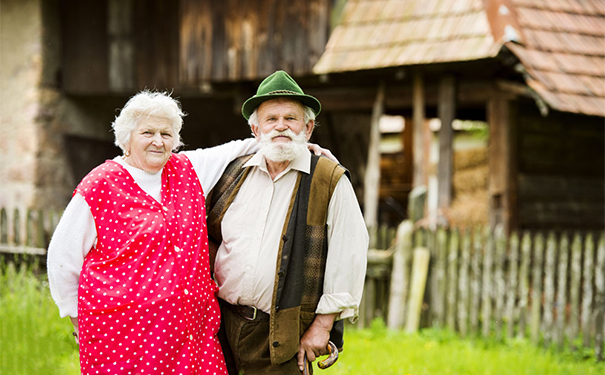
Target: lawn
x: 34, y: 340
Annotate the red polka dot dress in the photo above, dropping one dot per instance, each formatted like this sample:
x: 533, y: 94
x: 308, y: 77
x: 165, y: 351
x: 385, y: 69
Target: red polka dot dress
x: 146, y: 302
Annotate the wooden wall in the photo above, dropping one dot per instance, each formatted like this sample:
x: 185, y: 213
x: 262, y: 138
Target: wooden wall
x: 235, y: 40
x: 120, y: 46
x: 561, y: 171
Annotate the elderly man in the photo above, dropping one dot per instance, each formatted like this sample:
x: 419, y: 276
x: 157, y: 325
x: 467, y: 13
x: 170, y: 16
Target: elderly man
x: 292, y: 256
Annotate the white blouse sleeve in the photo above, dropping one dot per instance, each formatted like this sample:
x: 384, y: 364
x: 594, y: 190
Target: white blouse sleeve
x: 73, y: 238
x: 210, y: 163
x: 346, y: 262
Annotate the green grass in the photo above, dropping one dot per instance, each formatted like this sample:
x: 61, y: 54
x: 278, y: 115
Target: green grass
x: 35, y: 341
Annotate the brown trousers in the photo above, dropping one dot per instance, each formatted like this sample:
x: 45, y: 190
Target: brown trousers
x: 246, y: 346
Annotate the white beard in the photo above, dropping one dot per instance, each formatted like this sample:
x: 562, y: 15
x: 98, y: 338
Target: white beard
x: 280, y: 152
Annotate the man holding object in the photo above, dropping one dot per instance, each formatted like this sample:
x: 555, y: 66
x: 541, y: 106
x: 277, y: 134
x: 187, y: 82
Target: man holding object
x: 292, y: 256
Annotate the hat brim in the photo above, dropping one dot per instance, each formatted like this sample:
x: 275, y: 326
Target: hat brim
x: 252, y: 103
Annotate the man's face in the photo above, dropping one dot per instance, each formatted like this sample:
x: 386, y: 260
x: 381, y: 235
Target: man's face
x: 281, y: 131
x: 281, y: 114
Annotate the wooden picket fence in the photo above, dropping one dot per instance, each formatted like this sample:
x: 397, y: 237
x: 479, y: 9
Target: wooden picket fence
x: 26, y: 231
x: 548, y: 287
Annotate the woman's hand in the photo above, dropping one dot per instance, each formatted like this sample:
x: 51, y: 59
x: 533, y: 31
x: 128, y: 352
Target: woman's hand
x: 74, y: 321
x: 317, y: 150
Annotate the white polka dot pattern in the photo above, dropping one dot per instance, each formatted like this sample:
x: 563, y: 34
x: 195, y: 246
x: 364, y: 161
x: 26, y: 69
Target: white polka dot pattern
x: 146, y: 303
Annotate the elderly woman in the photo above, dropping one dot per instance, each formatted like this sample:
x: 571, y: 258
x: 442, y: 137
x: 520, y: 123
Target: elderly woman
x: 128, y: 261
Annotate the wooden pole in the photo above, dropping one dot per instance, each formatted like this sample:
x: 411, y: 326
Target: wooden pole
x: 400, y: 275
x: 549, y: 287
x: 500, y: 283
x: 513, y: 281
x: 477, y: 261
x: 420, y: 173
x: 452, y: 278
x: 559, y: 322
x: 536, y: 285
x: 372, y: 171
x: 447, y: 113
x: 587, y: 293
x: 420, y: 268
x: 600, y: 299
x: 524, y: 284
x: 574, y: 291
x: 463, y: 284
x: 487, y: 291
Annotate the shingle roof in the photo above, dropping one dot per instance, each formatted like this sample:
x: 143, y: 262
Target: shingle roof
x: 560, y: 43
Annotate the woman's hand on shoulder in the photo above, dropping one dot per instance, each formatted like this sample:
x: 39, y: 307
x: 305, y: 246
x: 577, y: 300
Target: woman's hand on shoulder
x: 318, y: 150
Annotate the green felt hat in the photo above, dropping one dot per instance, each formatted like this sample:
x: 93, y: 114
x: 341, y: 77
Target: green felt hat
x: 279, y: 85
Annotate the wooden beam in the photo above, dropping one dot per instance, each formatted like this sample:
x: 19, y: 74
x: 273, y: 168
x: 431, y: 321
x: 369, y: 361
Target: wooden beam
x: 502, y: 180
x: 447, y: 114
x: 121, y: 45
x: 372, y: 172
x: 418, y: 154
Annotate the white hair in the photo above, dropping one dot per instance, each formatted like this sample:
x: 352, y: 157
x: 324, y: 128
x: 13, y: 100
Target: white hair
x: 307, y: 111
x: 143, y: 105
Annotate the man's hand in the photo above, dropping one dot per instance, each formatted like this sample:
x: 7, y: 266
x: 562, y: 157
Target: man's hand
x: 314, y: 342
x: 74, y: 321
x: 317, y: 150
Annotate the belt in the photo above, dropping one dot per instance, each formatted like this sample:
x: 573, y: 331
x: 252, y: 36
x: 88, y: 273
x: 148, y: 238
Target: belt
x: 247, y: 312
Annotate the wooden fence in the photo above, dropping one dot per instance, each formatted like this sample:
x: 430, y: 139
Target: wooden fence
x: 548, y: 287
x: 26, y: 231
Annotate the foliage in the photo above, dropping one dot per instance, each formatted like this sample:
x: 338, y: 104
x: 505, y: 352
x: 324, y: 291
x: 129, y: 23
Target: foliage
x: 34, y: 340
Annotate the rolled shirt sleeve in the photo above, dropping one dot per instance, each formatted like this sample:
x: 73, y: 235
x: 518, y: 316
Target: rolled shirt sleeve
x: 346, y: 262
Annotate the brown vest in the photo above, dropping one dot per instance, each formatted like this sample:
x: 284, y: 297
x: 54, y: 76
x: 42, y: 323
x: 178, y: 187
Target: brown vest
x: 303, y: 250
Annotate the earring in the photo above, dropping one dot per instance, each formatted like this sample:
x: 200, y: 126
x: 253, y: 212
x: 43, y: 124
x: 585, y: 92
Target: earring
x: 127, y: 153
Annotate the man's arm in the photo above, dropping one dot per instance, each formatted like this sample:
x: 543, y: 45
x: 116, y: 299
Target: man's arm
x: 345, y: 270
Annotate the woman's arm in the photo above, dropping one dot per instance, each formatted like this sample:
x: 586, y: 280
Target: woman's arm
x: 71, y: 241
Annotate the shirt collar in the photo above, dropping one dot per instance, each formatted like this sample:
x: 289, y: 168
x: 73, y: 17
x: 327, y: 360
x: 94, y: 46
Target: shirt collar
x: 301, y: 163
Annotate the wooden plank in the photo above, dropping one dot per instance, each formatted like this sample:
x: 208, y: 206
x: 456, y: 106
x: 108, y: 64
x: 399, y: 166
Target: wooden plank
x: 3, y: 226
x: 501, y: 185
x: 452, y: 278
x: 600, y: 299
x: 441, y: 276
x: 372, y: 170
x: 476, y: 279
x: 549, y: 287
x: 447, y: 114
x: 419, y: 273
x: 400, y: 275
x: 524, y: 274
x: 16, y: 249
x: 560, y: 318
x: 513, y: 282
x: 574, y: 289
x: 500, y: 287
x: 463, y: 284
x: 85, y: 47
x: 536, y: 287
x: 588, y: 292
x: 121, y: 45
x: 419, y: 117
x: 487, y: 291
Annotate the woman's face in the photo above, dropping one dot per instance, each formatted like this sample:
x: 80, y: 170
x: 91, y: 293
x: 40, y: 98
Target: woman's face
x: 150, y: 144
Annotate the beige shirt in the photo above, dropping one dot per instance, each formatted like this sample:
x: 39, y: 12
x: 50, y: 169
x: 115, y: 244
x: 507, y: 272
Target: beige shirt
x: 246, y: 260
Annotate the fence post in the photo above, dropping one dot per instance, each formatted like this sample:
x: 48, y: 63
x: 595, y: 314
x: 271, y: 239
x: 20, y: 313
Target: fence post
x: 600, y: 299
x: 536, y: 285
x: 524, y: 284
x: 549, y: 286
x: 419, y: 273
x: 476, y: 279
x: 559, y: 322
x: 452, y: 278
x: 463, y: 285
x: 513, y: 282
x: 3, y: 226
x: 487, y: 284
x: 500, y: 288
x: 440, y: 275
x: 400, y: 275
x: 574, y: 292
x: 587, y: 328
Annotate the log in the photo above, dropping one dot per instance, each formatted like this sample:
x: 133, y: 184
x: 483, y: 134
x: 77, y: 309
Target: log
x: 549, y: 287
x: 587, y: 292
x: 560, y: 319
x: 420, y: 268
x: 399, y: 276
x: 536, y: 286
x: 513, y: 282
x: 524, y: 284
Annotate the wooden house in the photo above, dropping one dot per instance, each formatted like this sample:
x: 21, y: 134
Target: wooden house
x: 533, y: 70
